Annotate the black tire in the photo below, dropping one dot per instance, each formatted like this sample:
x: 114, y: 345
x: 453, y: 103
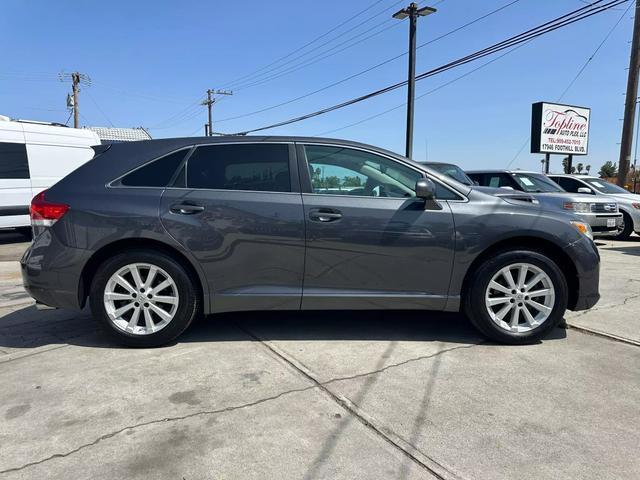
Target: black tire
x: 474, y: 298
x: 627, y: 228
x: 188, y: 305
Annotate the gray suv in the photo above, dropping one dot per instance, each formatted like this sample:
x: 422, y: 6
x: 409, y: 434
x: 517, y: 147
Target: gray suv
x: 600, y: 213
x: 155, y: 233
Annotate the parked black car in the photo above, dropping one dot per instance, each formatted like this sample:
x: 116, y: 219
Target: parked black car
x: 154, y: 233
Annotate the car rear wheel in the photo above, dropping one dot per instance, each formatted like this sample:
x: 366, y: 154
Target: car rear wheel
x: 143, y: 299
x: 516, y: 296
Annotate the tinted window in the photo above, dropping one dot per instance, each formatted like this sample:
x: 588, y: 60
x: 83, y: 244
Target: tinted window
x: 13, y: 161
x: 345, y: 171
x: 569, y: 184
x: 157, y: 173
x: 259, y: 167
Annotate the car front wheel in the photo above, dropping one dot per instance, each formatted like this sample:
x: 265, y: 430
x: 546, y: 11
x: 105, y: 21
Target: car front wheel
x: 516, y: 296
x: 143, y: 299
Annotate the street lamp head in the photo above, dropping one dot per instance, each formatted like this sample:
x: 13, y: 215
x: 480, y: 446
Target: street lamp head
x: 413, y: 9
x: 424, y: 11
x: 401, y: 15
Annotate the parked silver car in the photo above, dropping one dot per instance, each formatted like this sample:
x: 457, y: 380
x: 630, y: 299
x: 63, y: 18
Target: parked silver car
x: 600, y: 213
x: 628, y: 203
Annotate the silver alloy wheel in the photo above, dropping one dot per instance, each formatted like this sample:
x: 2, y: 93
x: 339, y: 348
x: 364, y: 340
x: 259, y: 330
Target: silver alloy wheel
x: 141, y: 298
x: 522, y: 302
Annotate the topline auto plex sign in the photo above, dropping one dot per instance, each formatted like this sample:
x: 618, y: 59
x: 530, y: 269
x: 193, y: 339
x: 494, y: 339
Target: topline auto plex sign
x: 561, y: 129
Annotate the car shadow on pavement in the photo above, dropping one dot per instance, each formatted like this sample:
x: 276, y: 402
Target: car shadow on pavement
x: 28, y: 328
x: 634, y: 250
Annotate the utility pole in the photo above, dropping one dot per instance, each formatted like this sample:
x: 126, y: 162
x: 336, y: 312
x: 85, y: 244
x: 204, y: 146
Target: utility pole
x: 209, y: 104
x: 412, y: 12
x: 76, y: 78
x: 630, y: 101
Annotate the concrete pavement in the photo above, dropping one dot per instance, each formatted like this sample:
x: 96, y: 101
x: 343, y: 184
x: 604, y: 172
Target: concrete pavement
x: 317, y: 395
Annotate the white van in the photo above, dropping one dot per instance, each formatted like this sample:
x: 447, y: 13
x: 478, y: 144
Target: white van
x: 34, y: 156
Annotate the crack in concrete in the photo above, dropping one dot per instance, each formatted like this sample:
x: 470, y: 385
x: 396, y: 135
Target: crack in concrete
x: 153, y: 422
x: 316, y: 384
x: 400, y: 364
x: 409, y: 451
x: 606, y: 307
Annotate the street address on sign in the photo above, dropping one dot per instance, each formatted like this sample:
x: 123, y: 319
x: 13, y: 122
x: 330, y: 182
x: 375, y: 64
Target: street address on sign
x: 560, y: 129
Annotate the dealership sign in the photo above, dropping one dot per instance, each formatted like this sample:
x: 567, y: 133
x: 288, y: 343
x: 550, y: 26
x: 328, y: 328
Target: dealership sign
x: 561, y: 129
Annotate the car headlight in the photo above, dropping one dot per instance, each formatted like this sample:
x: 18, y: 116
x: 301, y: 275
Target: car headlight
x: 636, y: 205
x: 579, y: 207
x: 583, y: 228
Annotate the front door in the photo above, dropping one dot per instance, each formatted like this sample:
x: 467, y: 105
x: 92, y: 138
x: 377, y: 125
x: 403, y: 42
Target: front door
x: 371, y: 243
x: 238, y: 209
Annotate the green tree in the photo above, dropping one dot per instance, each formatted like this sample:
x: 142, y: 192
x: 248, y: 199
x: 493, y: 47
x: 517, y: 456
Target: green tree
x: 565, y: 166
x: 579, y: 167
x: 608, y: 170
x: 353, y: 181
x: 588, y: 169
x: 332, y: 182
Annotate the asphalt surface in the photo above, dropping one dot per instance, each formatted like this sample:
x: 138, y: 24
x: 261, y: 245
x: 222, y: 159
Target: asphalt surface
x: 323, y: 395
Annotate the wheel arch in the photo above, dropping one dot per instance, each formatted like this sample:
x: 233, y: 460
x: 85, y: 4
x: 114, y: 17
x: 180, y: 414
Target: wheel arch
x: 537, y: 244
x: 106, y: 251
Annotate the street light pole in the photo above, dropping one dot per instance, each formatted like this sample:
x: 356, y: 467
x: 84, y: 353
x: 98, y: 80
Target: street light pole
x: 412, y: 12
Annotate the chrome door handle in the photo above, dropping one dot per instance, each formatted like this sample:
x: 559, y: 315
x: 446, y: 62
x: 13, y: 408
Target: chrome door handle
x: 325, y: 215
x: 186, y: 208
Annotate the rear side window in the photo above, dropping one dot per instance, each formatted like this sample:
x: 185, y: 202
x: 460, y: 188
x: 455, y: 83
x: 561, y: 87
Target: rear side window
x: 13, y: 160
x: 257, y: 167
x: 157, y: 173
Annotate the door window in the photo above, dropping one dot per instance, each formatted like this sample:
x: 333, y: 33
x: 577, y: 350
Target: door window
x: 13, y: 160
x: 346, y: 171
x: 256, y: 167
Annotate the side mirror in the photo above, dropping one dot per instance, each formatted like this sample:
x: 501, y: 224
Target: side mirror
x: 425, y: 189
x: 585, y: 190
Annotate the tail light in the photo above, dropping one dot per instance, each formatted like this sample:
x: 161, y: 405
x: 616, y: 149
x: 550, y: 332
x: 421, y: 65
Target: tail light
x: 45, y: 214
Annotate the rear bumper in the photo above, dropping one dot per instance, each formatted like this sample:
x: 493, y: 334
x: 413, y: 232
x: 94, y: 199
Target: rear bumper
x: 51, y: 272
x: 586, y: 258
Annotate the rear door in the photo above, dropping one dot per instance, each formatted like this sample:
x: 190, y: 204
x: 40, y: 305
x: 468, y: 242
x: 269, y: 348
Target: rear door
x: 238, y: 209
x: 370, y: 243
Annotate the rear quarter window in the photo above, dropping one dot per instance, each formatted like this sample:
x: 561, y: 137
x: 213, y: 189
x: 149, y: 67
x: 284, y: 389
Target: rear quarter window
x: 13, y: 160
x: 158, y: 173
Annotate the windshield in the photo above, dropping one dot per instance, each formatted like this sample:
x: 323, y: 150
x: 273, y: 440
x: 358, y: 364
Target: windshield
x: 536, y: 183
x: 605, y: 187
x: 452, y: 171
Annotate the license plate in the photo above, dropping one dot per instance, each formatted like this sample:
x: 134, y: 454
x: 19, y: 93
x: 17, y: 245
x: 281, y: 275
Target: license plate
x: 611, y: 223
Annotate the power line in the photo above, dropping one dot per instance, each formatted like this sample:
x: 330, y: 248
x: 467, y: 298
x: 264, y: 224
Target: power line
x: 439, y: 87
x: 378, y: 65
x: 577, y: 75
x: 256, y: 73
x: 559, y: 22
x: 329, y: 52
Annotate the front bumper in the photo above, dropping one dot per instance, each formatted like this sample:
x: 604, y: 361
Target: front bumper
x: 586, y: 258
x: 602, y: 222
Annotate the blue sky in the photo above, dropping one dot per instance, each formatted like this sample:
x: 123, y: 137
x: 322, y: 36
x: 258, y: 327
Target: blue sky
x: 151, y: 62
